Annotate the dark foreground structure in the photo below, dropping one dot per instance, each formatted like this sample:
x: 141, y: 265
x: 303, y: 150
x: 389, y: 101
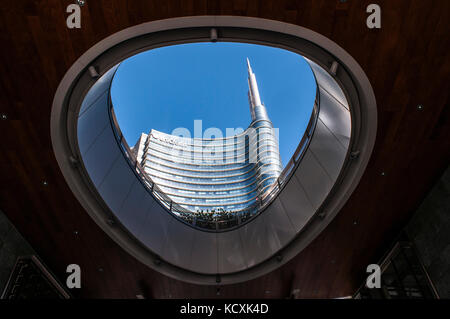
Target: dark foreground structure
x: 404, y: 190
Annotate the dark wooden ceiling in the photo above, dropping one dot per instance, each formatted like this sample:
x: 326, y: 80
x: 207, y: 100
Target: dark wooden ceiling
x: 407, y: 62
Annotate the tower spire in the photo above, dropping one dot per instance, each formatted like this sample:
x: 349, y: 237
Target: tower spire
x: 249, y: 68
x: 253, y: 91
x: 253, y: 95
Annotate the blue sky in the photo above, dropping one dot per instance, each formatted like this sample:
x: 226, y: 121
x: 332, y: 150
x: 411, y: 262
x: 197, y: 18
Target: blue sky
x: 170, y: 87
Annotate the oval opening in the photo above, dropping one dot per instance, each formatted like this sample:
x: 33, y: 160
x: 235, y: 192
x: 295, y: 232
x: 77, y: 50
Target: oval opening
x: 117, y: 193
x: 214, y: 128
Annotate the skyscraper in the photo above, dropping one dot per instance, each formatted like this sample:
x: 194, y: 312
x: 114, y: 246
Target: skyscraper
x: 210, y: 174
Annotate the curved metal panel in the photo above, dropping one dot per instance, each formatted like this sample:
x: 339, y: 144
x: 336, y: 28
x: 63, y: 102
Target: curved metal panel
x: 154, y: 232
x: 100, y: 87
x: 134, y: 210
x: 92, y: 123
x: 327, y: 83
x: 314, y: 179
x: 255, y: 241
x: 230, y: 252
x: 328, y: 150
x: 178, y: 247
x: 117, y: 184
x: 204, y: 253
x: 280, y: 230
x: 101, y: 156
x: 296, y: 204
x: 335, y: 117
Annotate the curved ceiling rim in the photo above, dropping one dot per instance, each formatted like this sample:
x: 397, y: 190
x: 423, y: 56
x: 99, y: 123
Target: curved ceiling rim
x: 354, y: 170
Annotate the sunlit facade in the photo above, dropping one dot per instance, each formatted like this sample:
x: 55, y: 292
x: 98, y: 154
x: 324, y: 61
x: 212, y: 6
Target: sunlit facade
x: 206, y: 175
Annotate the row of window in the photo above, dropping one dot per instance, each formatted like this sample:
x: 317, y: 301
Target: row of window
x: 197, y: 166
x: 217, y: 153
x: 202, y: 186
x: 261, y: 169
x: 235, y: 208
x: 198, y: 178
x: 205, y: 194
x: 249, y: 134
x: 183, y: 172
x: 212, y: 199
x: 153, y: 161
x: 268, y: 151
x: 213, y: 203
x: 252, y: 157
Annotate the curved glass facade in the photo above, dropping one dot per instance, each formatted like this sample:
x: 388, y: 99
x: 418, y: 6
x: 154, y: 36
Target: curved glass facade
x: 210, y: 175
